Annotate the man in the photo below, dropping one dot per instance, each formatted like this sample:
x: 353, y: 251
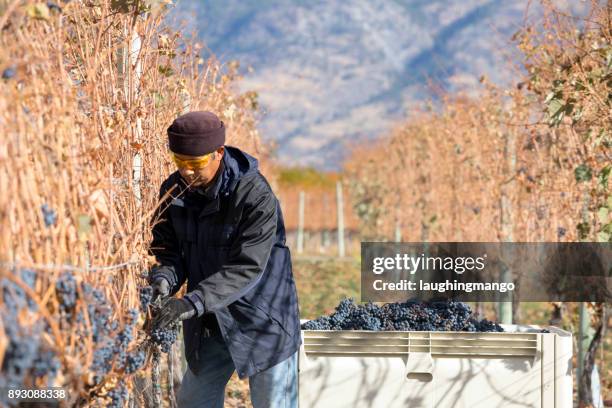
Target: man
x: 222, y: 231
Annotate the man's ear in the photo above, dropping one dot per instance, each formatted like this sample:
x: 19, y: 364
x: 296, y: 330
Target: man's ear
x: 220, y: 151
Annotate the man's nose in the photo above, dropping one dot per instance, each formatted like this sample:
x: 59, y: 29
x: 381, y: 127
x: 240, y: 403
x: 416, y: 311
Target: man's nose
x: 188, y: 172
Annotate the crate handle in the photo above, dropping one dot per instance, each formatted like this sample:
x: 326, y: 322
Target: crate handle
x: 419, y: 363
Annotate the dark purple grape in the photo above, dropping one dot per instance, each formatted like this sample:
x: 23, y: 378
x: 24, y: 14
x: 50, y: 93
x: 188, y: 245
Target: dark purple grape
x: 45, y: 364
x: 54, y: 6
x: 118, y: 395
x: 25, y: 356
x: 322, y: 323
x: 134, y: 361
x: 487, y: 326
x: 165, y: 337
x: 49, y: 215
x: 406, y: 316
x: 146, y: 295
x: 561, y: 232
x: 66, y: 289
x: 9, y: 73
x: 103, y: 358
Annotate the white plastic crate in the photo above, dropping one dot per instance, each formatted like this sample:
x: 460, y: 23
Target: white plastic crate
x: 520, y: 367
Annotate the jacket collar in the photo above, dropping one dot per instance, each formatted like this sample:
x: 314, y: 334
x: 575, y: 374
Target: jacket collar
x: 212, y: 191
x: 234, y: 165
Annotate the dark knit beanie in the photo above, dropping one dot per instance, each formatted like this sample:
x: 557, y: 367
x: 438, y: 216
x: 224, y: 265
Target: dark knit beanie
x: 196, y: 134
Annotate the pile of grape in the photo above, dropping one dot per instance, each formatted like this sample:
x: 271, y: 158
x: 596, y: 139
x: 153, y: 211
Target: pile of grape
x: 407, y: 316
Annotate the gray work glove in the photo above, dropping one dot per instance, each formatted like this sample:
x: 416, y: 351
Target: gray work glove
x: 173, y: 310
x: 161, y: 289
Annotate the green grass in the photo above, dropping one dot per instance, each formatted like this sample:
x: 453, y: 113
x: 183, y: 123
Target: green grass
x: 306, y: 177
x: 322, y: 283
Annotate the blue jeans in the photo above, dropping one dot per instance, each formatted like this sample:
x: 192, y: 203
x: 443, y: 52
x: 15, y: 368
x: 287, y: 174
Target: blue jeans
x: 275, y: 387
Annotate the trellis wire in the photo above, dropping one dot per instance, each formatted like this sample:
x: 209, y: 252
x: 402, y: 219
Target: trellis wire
x: 72, y: 268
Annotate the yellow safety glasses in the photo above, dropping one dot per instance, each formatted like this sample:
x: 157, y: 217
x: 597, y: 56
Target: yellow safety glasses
x: 192, y: 164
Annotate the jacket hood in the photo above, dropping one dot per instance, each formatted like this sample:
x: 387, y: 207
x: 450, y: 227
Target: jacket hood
x: 236, y: 164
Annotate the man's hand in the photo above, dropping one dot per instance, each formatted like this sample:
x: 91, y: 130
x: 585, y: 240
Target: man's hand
x: 161, y: 289
x: 173, y: 310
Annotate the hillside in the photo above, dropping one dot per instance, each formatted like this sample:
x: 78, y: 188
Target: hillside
x: 326, y: 70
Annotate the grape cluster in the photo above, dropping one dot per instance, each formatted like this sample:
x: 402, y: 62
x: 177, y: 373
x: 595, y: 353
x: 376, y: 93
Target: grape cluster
x: 121, y: 345
x: 46, y: 364
x: 66, y: 289
x: 14, y: 296
x: 134, y: 361
x: 116, y: 350
x: 83, y: 309
x: 9, y: 72
x: 483, y: 325
x: 94, y: 294
x: 49, y: 215
x: 101, y: 324
x: 26, y: 355
x: 406, y: 316
x: 165, y: 337
x: 54, y: 6
x: 111, y: 341
x: 118, y: 395
x: 99, y: 312
x: 146, y: 295
x: 102, y: 362
x: 21, y: 351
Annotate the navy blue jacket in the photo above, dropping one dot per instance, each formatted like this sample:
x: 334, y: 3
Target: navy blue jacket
x: 228, y: 243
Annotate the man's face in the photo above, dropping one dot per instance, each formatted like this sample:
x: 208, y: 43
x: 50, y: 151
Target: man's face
x: 196, y: 174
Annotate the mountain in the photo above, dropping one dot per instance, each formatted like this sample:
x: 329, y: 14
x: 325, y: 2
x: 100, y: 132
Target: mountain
x: 331, y: 73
